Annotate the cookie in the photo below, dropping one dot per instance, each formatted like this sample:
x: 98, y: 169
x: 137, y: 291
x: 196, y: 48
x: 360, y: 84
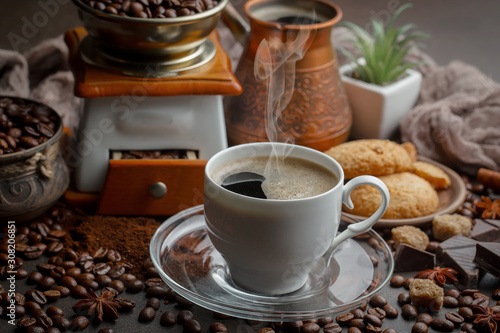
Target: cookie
x: 411, y: 196
x: 371, y: 157
x: 411, y: 150
x: 434, y: 175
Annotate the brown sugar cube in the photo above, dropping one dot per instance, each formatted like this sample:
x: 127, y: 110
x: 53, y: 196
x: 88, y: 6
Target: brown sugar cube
x: 446, y: 226
x: 425, y: 293
x: 410, y: 235
x: 411, y: 150
x: 434, y: 175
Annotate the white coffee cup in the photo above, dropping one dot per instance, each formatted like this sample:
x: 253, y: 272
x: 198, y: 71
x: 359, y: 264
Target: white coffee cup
x: 271, y: 245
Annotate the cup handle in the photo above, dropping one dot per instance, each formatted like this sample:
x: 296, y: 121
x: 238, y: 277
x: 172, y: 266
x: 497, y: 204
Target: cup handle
x: 363, y: 226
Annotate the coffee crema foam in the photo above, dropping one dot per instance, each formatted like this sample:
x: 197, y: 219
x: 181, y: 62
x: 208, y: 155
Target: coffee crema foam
x: 296, y: 178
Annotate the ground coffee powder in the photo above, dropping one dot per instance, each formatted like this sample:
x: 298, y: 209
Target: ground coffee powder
x: 127, y: 235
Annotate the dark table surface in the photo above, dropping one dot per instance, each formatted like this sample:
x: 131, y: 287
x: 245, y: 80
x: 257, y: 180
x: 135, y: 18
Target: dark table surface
x: 128, y: 322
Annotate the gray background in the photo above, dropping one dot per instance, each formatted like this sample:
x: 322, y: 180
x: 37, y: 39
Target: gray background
x: 459, y: 29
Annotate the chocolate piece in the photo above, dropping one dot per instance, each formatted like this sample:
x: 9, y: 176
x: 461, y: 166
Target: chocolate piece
x: 458, y: 253
x: 488, y: 257
x: 486, y: 230
x: 420, y: 260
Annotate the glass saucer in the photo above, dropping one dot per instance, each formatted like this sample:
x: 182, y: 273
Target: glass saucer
x: 187, y: 261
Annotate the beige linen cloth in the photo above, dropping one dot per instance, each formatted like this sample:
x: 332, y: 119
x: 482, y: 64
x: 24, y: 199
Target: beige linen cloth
x: 42, y: 74
x: 456, y: 120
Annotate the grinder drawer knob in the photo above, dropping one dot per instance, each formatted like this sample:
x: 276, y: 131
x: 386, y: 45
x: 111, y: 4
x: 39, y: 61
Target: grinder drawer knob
x: 158, y: 190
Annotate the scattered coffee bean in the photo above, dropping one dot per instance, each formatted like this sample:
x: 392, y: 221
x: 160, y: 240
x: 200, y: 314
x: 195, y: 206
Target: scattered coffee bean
x: 373, y: 329
x: 358, y: 313
x: 373, y: 320
x: 192, y: 326
x: 46, y: 282
x: 442, y: 325
x: 90, y: 284
x: 168, y: 319
x: 61, y: 322
x: 404, y: 298
x: 397, y: 281
x: 183, y: 316
x: 310, y: 328
x: 327, y: 320
x: 455, y: 318
x: 390, y: 330
x: 377, y: 312
x: 450, y: 302
x: 156, y: 291
x: 135, y: 286
x: 36, y: 296
x: 407, y: 282
x: 409, y: 312
x: 424, y: 318
x: 332, y: 328
x: 358, y: 323
x: 78, y: 291
x: 378, y: 301
x: 26, y: 322
x: 147, y: 315
x: 469, y: 292
x: 106, y: 330
x: 34, y: 277
x: 154, y: 303
x: 466, y: 313
x: 65, y: 292
x: 52, y: 295
x: 354, y: 330
x: 30, y: 306
x: 54, y: 311
x: 343, y: 319
x: 419, y: 327
x: 390, y: 311
x: 465, y: 301
x: 79, y: 323
x: 453, y: 293
x: 481, y: 300
x: 468, y: 328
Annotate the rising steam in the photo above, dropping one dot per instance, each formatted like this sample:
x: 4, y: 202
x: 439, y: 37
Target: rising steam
x: 275, y: 65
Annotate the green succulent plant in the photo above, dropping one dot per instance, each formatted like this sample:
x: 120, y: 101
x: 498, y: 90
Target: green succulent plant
x: 384, y: 53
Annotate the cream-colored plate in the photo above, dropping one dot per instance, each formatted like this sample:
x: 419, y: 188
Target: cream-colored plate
x: 449, y: 200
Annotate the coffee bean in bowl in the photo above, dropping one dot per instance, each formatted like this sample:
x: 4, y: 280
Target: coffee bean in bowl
x: 33, y: 174
x: 149, y: 30
x: 152, y: 9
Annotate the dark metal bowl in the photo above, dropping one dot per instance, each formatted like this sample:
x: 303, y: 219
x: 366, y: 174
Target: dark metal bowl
x: 27, y: 194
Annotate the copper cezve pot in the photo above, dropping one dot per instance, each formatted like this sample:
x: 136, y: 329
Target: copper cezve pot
x: 317, y: 114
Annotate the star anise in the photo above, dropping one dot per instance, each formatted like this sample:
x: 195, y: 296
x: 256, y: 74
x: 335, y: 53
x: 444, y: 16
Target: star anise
x: 491, y: 209
x: 440, y: 275
x: 102, y: 306
x: 485, y: 318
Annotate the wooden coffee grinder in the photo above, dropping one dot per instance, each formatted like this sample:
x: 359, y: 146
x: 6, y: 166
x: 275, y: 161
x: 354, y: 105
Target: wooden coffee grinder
x: 147, y: 84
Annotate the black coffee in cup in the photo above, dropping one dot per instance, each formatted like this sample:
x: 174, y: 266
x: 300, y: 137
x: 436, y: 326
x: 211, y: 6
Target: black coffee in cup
x: 287, y: 179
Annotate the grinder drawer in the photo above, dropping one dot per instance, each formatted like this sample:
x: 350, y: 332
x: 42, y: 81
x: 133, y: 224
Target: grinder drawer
x: 152, y: 187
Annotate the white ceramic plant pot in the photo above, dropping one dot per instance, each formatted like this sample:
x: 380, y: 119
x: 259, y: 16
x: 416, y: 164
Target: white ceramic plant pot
x: 378, y: 110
